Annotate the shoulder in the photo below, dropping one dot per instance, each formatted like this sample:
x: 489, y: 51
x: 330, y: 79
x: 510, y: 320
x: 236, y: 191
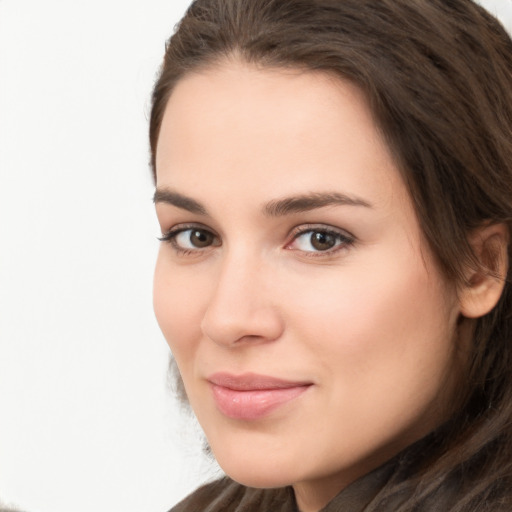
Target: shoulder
x: 225, y: 495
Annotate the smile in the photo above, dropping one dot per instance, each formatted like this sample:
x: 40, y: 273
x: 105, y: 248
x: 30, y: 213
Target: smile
x: 251, y: 396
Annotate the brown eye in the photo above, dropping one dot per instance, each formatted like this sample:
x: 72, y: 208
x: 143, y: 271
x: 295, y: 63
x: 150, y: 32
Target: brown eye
x: 191, y: 239
x: 322, y: 241
x: 200, y: 238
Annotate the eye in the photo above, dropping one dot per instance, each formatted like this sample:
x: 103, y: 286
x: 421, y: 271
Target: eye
x: 190, y: 239
x: 320, y: 240
x: 194, y: 239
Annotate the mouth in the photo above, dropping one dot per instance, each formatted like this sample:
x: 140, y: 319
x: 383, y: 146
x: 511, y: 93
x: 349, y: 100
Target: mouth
x: 250, y: 396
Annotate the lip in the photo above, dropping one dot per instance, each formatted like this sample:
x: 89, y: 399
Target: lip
x: 251, y: 396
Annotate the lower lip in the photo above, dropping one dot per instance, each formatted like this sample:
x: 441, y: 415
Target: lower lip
x: 253, y: 404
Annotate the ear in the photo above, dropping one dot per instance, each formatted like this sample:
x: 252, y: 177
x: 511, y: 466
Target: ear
x: 485, y: 283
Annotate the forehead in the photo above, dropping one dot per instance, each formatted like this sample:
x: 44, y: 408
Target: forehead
x: 284, y: 130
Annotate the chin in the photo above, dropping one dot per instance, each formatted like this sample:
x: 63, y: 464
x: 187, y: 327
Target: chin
x: 262, y: 477
x: 259, y: 470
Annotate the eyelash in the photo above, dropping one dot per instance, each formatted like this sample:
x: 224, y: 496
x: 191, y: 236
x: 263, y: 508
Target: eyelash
x: 343, y: 239
x: 171, y: 235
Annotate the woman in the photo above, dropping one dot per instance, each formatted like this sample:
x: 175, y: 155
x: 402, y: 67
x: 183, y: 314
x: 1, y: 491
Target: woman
x: 334, y: 189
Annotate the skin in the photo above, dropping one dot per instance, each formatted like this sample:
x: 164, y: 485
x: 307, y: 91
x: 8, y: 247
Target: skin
x: 369, y: 322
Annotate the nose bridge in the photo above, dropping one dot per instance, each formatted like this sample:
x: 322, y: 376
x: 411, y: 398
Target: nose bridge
x: 241, y: 306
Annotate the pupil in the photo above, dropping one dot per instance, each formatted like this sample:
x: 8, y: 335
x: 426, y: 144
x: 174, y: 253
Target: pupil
x: 322, y: 241
x: 200, y: 239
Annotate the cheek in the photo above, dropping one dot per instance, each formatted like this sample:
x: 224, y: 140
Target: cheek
x: 378, y: 323
x: 382, y: 347
x: 177, y: 301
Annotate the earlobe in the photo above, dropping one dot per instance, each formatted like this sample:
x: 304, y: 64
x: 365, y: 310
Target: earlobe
x: 484, y: 284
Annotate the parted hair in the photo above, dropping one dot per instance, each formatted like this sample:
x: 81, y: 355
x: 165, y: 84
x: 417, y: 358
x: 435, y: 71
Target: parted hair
x: 437, y: 75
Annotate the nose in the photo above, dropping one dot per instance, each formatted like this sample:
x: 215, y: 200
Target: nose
x: 242, y: 307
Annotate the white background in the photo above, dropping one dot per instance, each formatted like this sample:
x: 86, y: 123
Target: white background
x: 86, y: 420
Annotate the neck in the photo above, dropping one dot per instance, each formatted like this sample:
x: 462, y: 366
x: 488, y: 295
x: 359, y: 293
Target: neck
x: 313, y: 496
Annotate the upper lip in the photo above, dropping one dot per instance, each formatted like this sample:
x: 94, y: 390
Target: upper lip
x: 252, y: 381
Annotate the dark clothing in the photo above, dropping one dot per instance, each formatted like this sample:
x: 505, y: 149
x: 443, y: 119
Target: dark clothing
x: 386, y: 489
x: 225, y: 495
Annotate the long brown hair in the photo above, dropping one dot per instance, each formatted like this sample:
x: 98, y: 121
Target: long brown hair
x: 437, y: 75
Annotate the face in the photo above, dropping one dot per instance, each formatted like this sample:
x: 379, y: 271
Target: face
x: 312, y: 329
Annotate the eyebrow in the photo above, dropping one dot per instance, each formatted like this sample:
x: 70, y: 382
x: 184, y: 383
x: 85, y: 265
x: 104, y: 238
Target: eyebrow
x: 179, y: 200
x: 307, y: 202
x: 274, y: 208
